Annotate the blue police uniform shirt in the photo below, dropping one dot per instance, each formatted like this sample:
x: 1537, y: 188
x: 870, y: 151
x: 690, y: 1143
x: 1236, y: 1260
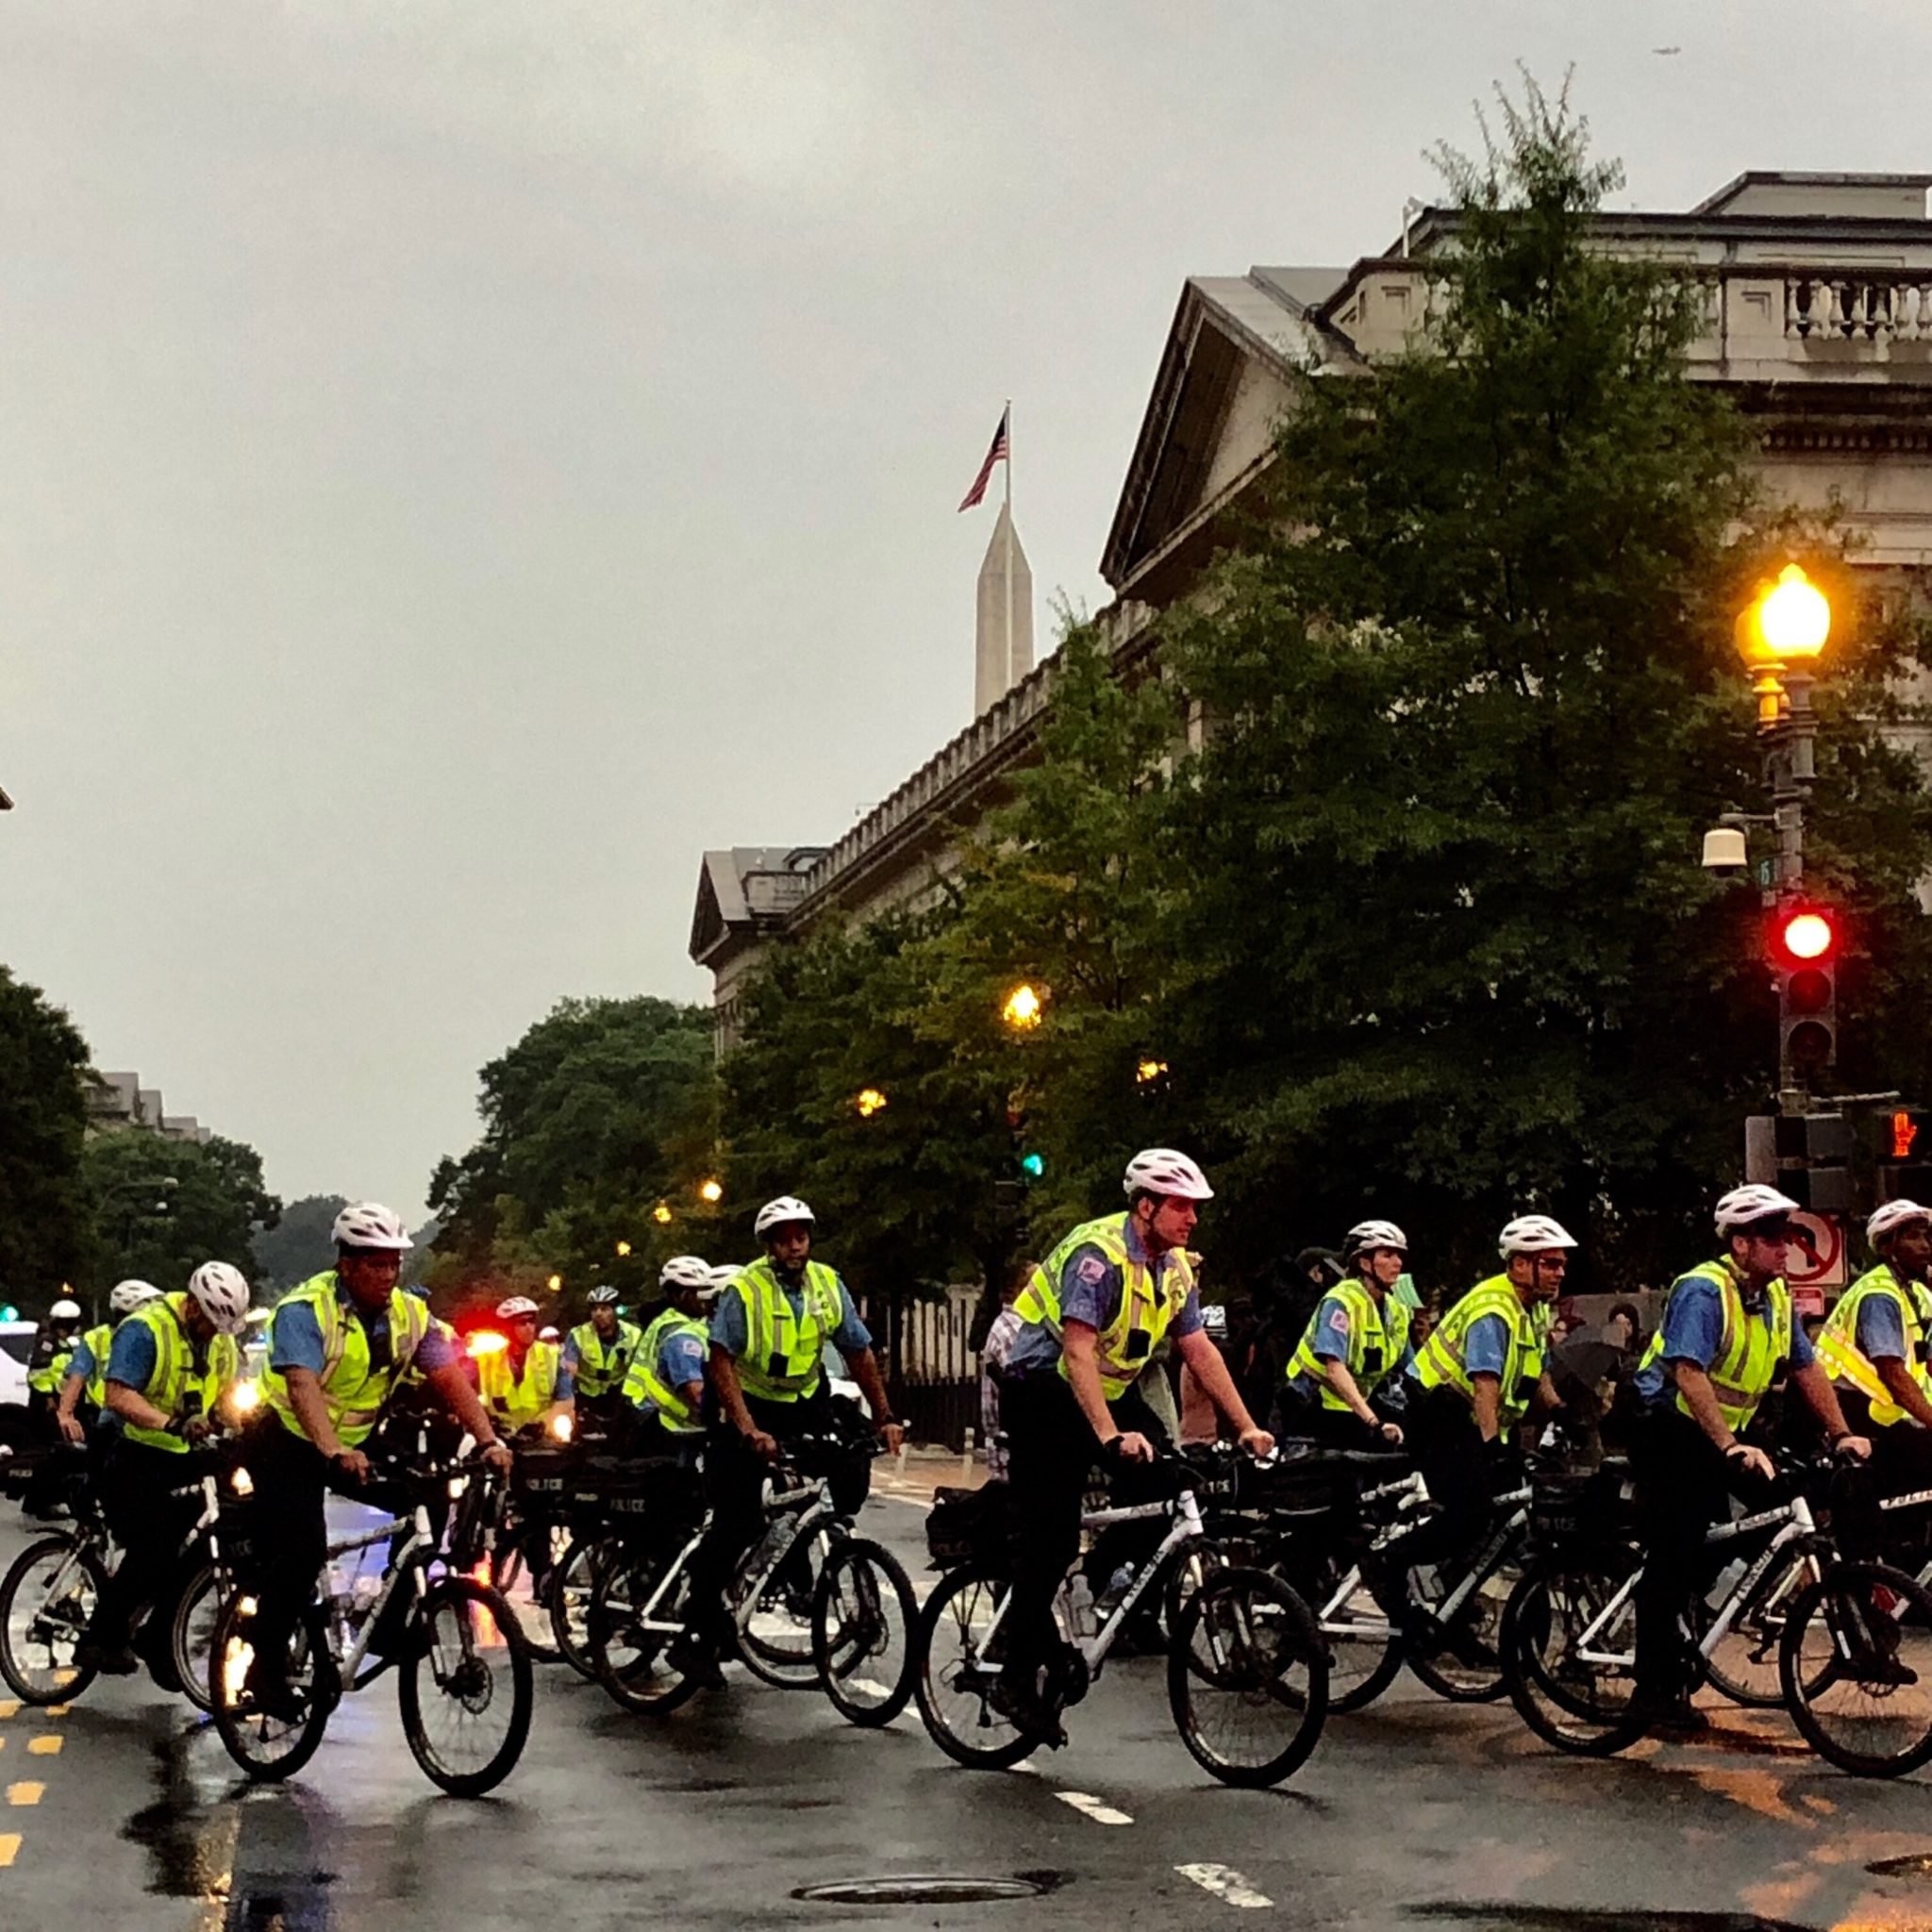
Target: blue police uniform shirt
x: 680, y: 1362
x: 1090, y: 1289
x: 1881, y: 1330
x: 1694, y: 1331
x: 295, y: 1339
x: 1331, y: 1346
x: 727, y: 1320
x: 132, y: 1357
x: 82, y: 1363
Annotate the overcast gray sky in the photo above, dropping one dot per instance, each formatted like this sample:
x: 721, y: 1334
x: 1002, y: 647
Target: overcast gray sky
x: 460, y: 459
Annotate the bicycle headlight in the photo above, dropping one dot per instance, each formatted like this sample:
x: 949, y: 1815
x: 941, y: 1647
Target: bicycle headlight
x: 242, y: 1483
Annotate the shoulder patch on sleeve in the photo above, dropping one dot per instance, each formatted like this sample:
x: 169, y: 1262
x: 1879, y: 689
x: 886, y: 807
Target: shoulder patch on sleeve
x: 1092, y: 1268
x: 1341, y: 1321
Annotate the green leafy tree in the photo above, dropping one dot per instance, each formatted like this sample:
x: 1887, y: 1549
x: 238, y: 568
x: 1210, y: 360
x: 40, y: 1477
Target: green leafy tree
x: 42, y: 1123
x: 603, y: 1113
x: 1444, y: 951
x: 299, y: 1244
x: 159, y: 1208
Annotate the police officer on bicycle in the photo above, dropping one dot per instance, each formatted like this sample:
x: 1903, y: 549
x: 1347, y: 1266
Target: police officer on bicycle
x: 598, y: 1354
x: 666, y: 1382
x: 86, y: 1368
x: 1090, y: 1316
x: 768, y: 1335
x: 337, y: 1346
x: 169, y: 1362
x: 1728, y: 1334
x: 1357, y: 1343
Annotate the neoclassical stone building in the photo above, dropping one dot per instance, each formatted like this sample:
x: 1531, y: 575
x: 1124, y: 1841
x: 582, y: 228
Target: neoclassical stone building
x: 1819, y: 306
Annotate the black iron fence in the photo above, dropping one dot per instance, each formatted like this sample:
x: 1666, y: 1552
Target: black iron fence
x: 931, y: 1375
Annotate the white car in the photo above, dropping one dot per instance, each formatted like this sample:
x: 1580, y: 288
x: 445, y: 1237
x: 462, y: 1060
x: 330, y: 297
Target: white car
x: 16, y: 1347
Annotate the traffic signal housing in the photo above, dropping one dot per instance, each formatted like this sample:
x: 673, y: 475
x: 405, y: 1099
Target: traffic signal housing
x: 1804, y: 955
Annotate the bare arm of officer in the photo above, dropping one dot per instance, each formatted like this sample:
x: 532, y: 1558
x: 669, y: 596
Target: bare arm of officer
x: 64, y: 1417
x: 1821, y: 1398
x: 1693, y: 1385
x: 132, y: 1406
x: 1486, y: 1399
x: 1892, y: 1372
x: 731, y: 1400
x: 464, y: 1403
x: 1200, y: 1356
x: 1077, y: 1341
x: 864, y: 1365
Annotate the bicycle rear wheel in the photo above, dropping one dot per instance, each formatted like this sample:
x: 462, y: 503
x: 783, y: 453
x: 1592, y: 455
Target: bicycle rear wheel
x: 464, y: 1687
x: 1856, y: 1667
x: 1466, y: 1666
x: 630, y: 1661
x: 956, y: 1681
x: 47, y: 1600
x: 271, y: 1745
x: 775, y: 1640
x: 1361, y: 1663
x: 862, y: 1618
x: 1247, y: 1678
x: 1580, y: 1707
x: 1744, y: 1665
x: 192, y: 1637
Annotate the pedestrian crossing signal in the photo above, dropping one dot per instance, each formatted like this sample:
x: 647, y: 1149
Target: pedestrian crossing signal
x: 1033, y: 1165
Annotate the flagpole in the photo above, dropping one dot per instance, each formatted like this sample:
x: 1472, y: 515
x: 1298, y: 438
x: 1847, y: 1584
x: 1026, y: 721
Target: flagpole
x: 1009, y: 455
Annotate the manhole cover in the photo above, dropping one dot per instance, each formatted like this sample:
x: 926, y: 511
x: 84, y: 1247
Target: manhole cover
x: 1918, y: 1865
x: 916, y: 1889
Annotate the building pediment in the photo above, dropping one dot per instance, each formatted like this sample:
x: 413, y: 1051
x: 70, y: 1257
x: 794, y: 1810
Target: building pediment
x: 1234, y: 347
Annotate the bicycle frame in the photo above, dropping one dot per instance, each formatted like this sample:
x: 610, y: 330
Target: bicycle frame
x: 1796, y: 1524
x: 402, y: 1563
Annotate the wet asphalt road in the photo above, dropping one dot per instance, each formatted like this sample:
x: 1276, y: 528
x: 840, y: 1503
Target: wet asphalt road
x: 124, y: 1811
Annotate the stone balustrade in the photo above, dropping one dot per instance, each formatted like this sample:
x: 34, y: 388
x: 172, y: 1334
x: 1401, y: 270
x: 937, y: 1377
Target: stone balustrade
x: 1858, y: 305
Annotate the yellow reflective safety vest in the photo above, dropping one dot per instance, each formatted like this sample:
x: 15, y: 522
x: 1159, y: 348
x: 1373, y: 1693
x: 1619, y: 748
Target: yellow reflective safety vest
x: 1848, y: 1366
x: 602, y: 1366
x: 645, y: 1384
x: 1750, y: 1352
x: 177, y: 1374
x: 1151, y: 1296
x: 1441, y: 1361
x: 353, y: 1390
x: 783, y: 1350
x: 514, y: 1399
x: 100, y: 1345
x: 1378, y: 1337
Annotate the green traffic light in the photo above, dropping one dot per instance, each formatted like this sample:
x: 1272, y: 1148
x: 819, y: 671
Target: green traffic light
x: 9, y: 1313
x: 1033, y: 1165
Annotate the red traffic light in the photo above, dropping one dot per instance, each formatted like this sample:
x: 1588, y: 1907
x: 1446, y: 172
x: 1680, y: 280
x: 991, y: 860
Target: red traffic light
x: 1805, y: 936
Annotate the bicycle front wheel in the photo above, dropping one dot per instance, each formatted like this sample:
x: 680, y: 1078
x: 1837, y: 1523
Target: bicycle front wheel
x: 269, y: 1721
x: 1466, y: 1666
x: 629, y: 1658
x: 956, y: 1679
x: 569, y: 1607
x: 1247, y: 1678
x: 46, y: 1602
x: 862, y: 1617
x: 464, y: 1687
x: 1574, y: 1696
x: 1856, y: 1665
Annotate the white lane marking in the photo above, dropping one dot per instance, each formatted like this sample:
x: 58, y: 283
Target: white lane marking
x: 868, y: 1688
x: 1226, y: 1883
x: 1096, y: 1809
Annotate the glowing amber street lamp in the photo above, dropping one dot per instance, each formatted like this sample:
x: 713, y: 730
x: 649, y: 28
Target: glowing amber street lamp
x: 661, y: 1214
x: 711, y: 1192
x: 555, y: 1282
x: 1149, y: 1071
x: 623, y: 1249
x: 1022, y: 1007
x: 869, y: 1101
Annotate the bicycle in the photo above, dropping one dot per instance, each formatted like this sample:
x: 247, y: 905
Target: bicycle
x: 454, y: 1642
x: 1570, y: 1637
x: 812, y: 1603
x: 52, y: 1590
x: 1244, y: 1648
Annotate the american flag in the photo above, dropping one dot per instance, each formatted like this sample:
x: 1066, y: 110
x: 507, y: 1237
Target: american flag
x: 997, y: 454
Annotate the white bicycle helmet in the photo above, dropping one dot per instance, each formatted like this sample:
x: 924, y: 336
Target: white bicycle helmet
x: 685, y: 1271
x: 548, y: 1335
x: 1891, y: 1217
x: 722, y: 1277
x: 776, y: 1214
x: 223, y: 1292
x: 129, y: 1296
x: 65, y: 1310
x: 370, y: 1224
x: 604, y: 1297
x: 515, y: 1307
x: 1365, y: 1234
x: 1533, y: 1234
x: 1161, y: 1171
x: 1745, y: 1206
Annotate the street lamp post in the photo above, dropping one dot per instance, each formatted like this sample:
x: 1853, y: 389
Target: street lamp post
x: 1780, y: 636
